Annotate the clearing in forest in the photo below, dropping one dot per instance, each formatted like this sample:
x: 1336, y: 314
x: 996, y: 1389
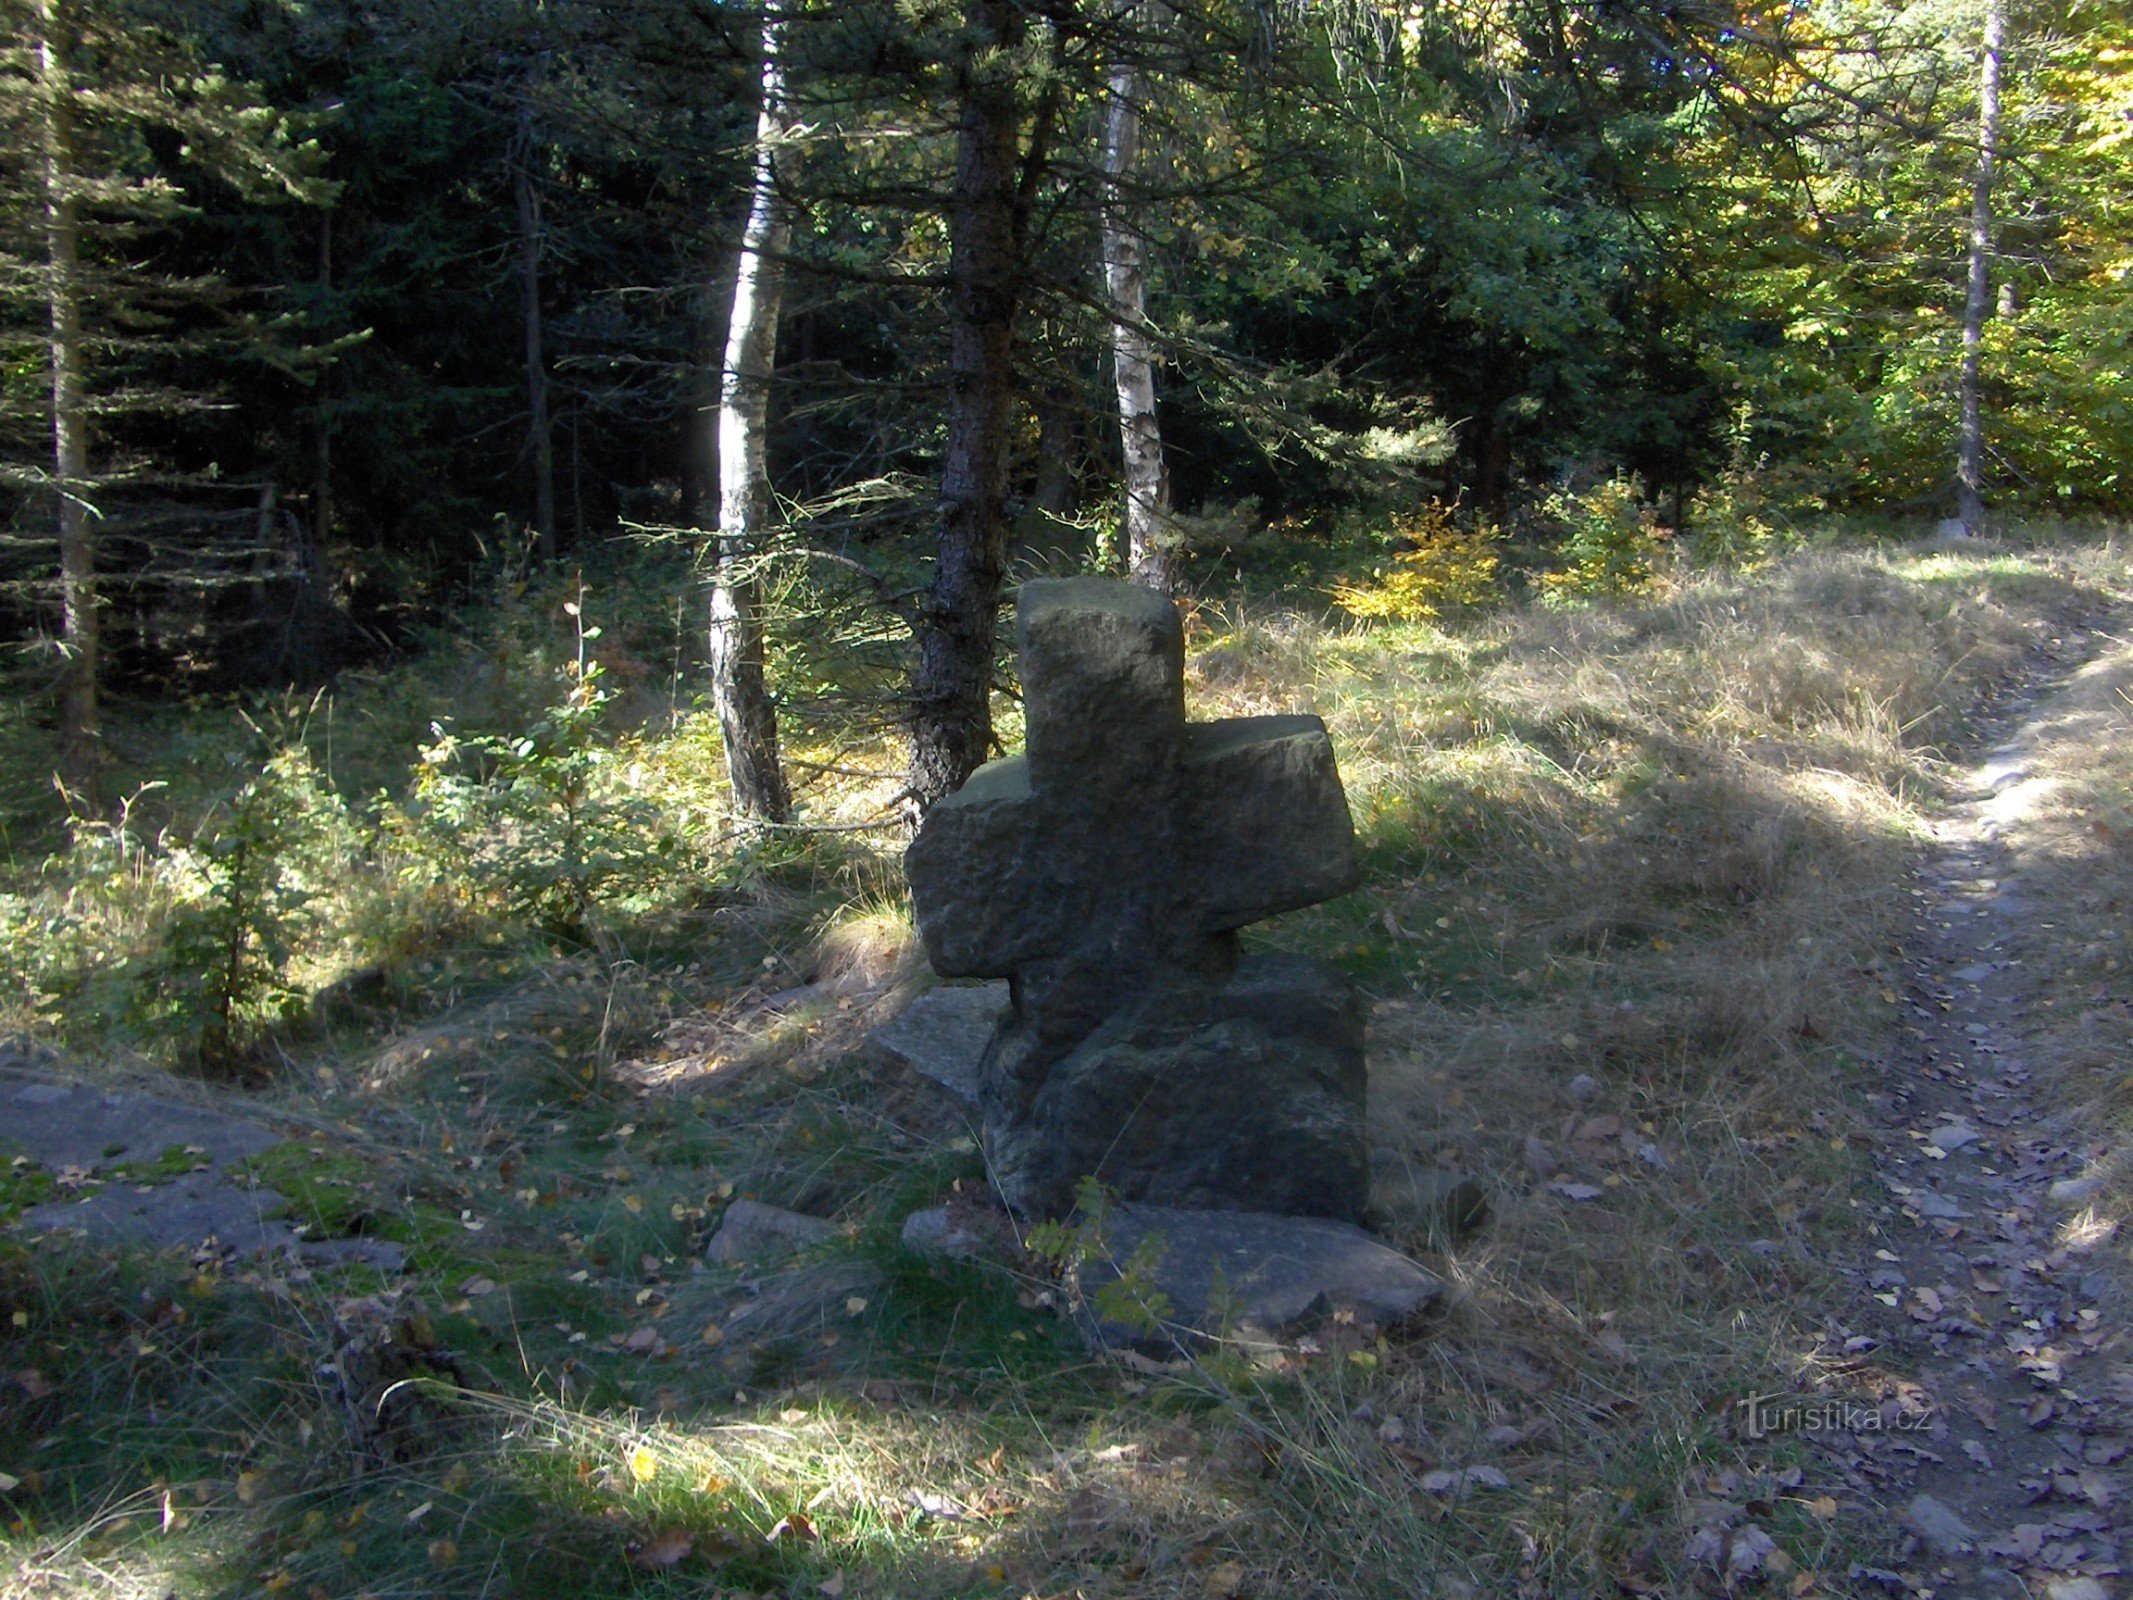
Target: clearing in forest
x: 1693, y: 932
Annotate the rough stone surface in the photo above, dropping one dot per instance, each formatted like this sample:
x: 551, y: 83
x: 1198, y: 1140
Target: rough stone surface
x: 74, y: 1124
x: 1944, y: 1533
x: 189, y: 1211
x: 753, y: 1232
x: 1248, y: 1277
x: 1105, y: 872
x: 1440, y: 1206
x: 1244, y: 1095
x: 958, y: 1233
x: 942, y: 1035
x: 63, y: 1125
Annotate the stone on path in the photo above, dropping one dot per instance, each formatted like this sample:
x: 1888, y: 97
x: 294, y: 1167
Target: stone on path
x: 1247, y: 1276
x: 753, y: 1232
x: 942, y: 1035
x: 1944, y: 1533
x: 1953, y: 1137
x: 1106, y: 871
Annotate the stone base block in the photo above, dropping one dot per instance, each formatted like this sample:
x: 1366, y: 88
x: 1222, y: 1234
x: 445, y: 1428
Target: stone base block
x: 1245, y: 1096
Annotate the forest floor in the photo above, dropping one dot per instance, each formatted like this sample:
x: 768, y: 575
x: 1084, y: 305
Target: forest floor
x: 1690, y: 930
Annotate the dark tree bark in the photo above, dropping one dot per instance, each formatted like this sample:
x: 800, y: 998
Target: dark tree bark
x: 322, y: 409
x: 740, y: 690
x: 951, y: 685
x: 1970, y: 440
x: 80, y: 732
x: 540, y: 436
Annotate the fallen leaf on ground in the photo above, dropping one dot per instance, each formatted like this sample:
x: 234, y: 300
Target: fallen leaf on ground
x: 796, y: 1527
x: 663, y: 1550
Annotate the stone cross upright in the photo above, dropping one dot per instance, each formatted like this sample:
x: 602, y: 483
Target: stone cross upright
x: 1104, y: 873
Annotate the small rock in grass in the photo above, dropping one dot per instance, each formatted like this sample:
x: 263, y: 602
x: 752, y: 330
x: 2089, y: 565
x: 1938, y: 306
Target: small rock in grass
x: 1251, y: 1276
x: 1584, y: 1088
x: 752, y: 1231
x: 1440, y: 1205
x: 959, y: 1233
x: 2075, y: 1191
x: 1952, y: 1138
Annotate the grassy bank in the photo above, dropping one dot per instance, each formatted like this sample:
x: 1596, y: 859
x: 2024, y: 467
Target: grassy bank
x: 1633, y: 871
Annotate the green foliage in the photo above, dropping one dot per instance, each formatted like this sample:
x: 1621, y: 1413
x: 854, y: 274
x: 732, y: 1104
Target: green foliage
x: 1444, y: 568
x: 259, y: 870
x: 1130, y: 1298
x: 1611, y: 547
x: 546, y: 823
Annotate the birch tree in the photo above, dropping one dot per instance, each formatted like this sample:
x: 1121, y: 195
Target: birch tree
x: 1151, y: 557
x: 740, y: 691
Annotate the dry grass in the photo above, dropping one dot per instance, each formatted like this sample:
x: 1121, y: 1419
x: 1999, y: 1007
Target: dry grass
x: 1660, y: 848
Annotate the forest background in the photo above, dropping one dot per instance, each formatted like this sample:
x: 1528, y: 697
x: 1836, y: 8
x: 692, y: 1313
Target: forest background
x: 508, y: 339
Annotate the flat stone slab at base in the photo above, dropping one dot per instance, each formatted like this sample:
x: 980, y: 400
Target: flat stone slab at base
x: 186, y: 1212
x: 943, y: 1033
x: 78, y: 1125
x: 1249, y: 1277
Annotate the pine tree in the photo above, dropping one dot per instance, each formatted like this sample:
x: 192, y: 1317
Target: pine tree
x: 88, y: 85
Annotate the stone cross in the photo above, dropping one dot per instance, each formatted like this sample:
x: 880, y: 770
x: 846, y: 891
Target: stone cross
x: 1105, y: 872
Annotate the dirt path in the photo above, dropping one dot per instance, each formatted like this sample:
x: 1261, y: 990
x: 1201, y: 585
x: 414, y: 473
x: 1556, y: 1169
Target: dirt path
x: 2003, y: 1450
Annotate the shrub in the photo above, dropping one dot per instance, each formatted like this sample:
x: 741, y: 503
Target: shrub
x: 1611, y: 548
x: 1439, y: 567
x: 543, y: 823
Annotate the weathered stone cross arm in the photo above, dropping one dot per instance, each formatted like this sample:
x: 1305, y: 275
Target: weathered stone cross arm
x: 1122, y: 809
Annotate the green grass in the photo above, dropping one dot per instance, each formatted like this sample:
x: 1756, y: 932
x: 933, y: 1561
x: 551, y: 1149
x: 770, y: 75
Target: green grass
x: 1659, y: 844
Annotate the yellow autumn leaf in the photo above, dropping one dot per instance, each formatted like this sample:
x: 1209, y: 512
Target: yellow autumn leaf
x: 633, y: 1204
x: 644, y: 1466
x: 249, y: 1484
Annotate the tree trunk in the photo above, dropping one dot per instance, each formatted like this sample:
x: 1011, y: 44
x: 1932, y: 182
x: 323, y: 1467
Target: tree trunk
x: 322, y: 409
x: 747, y: 718
x: 79, y: 731
x: 540, y: 437
x: 1151, y: 555
x: 951, y: 685
x: 1970, y: 442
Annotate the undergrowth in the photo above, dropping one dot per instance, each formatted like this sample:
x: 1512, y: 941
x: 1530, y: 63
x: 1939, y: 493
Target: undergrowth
x: 1632, y: 874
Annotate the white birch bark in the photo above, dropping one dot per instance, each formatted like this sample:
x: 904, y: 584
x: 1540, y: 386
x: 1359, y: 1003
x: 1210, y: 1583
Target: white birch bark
x: 739, y: 687
x: 1150, y: 554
